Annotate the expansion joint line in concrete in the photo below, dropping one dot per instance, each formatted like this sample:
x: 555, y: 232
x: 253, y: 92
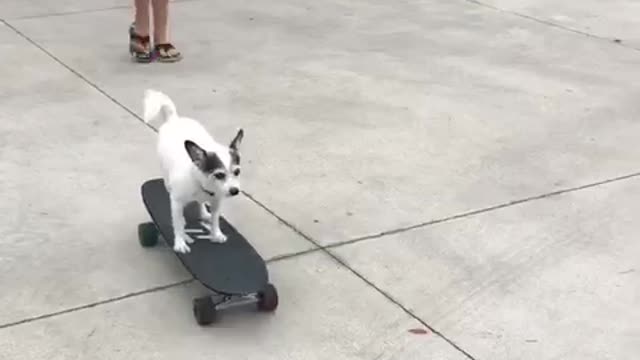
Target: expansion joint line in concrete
x: 75, y: 72
x: 344, y: 264
x: 482, y: 210
x: 327, y: 249
x: 81, y: 12
x: 134, y: 294
x: 552, y: 24
x: 94, y: 304
x: 318, y: 247
x: 315, y: 243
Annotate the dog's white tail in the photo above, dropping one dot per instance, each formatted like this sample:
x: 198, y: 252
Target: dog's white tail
x: 157, y: 103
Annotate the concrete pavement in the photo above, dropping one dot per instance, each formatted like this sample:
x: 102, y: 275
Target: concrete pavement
x: 468, y: 169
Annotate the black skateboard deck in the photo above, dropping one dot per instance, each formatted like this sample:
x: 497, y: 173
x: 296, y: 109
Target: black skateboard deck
x: 233, y: 270
x: 232, y: 267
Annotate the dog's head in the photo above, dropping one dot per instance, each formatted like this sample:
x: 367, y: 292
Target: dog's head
x: 218, y: 172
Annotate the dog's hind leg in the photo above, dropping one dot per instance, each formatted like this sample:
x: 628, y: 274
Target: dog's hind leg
x: 180, y: 237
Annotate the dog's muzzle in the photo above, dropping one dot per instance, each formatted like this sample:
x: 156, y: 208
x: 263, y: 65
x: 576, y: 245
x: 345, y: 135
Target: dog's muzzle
x: 234, y: 191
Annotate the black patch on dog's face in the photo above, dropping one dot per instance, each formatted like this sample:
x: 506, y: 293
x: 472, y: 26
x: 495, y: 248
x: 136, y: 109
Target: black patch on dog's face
x: 207, y: 162
x: 212, y: 163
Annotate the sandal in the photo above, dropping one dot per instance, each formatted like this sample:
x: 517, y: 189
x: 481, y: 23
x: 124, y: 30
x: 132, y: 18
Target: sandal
x: 139, y: 46
x: 167, y: 53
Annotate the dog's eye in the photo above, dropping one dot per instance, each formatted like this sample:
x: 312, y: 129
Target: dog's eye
x: 236, y: 172
x: 220, y: 176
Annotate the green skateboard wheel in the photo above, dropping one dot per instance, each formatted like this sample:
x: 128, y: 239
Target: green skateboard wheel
x: 204, y: 310
x: 147, y: 234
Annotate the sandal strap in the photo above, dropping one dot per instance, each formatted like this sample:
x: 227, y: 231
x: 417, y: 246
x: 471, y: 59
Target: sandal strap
x: 140, y: 38
x: 165, y: 47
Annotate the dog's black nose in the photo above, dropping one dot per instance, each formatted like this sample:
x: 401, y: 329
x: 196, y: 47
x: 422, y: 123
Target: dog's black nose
x: 234, y: 191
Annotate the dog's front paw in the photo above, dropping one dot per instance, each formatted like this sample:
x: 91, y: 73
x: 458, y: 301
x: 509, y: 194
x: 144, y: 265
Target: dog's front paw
x: 180, y: 245
x: 218, y: 237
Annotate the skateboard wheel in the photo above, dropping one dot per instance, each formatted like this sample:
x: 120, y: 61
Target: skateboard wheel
x: 147, y: 234
x: 204, y: 310
x: 268, y: 298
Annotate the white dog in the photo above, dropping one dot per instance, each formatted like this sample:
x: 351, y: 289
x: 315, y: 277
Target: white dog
x: 196, y: 167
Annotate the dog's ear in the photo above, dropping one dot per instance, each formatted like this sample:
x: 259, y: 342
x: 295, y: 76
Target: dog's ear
x: 196, y: 153
x: 235, y: 143
x: 207, y: 162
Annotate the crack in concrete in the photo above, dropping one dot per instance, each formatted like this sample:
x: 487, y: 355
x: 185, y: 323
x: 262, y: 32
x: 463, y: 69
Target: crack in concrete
x: 94, y: 304
x: 81, y: 12
x: 475, y: 2
x: 552, y: 24
x: 344, y: 264
x: 76, y: 73
x: 138, y: 293
x: 327, y: 248
x: 318, y: 247
x: 481, y: 211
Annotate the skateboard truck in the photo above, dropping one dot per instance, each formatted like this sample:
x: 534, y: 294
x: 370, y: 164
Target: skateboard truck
x: 205, y: 309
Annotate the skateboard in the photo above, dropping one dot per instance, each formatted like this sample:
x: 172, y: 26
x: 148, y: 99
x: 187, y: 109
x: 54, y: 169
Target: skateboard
x: 233, y: 271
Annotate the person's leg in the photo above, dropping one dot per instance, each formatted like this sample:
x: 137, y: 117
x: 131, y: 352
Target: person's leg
x: 142, y: 22
x: 139, y: 43
x: 161, y: 38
